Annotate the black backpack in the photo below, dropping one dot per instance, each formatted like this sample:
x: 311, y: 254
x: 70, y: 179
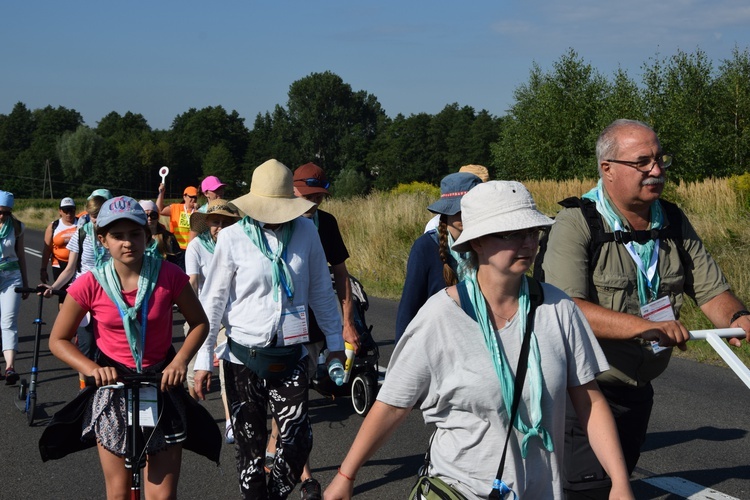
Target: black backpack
x: 599, y: 236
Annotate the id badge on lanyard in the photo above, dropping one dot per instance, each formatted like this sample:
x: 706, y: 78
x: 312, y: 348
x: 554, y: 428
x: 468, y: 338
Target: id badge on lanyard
x: 294, y: 325
x: 658, y: 310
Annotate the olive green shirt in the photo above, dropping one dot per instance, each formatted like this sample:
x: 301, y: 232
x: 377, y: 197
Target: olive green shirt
x: 613, y: 285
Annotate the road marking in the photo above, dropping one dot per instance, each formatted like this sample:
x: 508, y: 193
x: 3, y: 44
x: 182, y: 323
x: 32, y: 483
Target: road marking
x: 35, y: 253
x: 686, y: 489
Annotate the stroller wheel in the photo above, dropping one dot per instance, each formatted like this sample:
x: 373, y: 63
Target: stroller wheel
x: 22, y: 389
x: 363, y: 393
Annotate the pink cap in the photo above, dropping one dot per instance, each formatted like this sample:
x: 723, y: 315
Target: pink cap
x: 211, y: 183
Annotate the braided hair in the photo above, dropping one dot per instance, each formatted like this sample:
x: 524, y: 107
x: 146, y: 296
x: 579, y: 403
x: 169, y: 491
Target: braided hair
x: 449, y: 275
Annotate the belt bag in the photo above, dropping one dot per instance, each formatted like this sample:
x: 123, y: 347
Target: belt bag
x: 268, y: 362
x: 432, y: 488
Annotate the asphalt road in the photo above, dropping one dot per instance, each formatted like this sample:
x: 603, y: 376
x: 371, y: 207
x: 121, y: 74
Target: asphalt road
x: 698, y: 434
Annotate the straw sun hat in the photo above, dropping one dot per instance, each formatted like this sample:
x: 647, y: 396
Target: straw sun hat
x: 199, y: 220
x: 271, y: 198
x: 497, y: 207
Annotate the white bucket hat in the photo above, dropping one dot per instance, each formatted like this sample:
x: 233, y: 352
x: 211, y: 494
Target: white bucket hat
x: 497, y: 207
x: 271, y: 198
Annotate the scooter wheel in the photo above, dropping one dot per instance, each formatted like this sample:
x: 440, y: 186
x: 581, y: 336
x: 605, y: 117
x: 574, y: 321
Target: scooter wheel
x: 23, y: 388
x: 363, y: 393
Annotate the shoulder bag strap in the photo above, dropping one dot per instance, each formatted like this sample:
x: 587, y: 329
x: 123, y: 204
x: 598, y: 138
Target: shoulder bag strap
x: 536, y: 297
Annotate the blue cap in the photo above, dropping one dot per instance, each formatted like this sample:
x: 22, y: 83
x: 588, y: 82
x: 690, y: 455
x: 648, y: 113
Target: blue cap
x: 6, y: 199
x: 122, y: 207
x: 104, y: 193
x: 452, y: 188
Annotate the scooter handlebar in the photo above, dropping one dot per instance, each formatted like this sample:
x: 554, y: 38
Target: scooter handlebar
x: 39, y: 289
x: 130, y: 379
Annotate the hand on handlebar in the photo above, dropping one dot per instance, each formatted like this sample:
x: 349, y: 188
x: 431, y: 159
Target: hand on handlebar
x: 668, y: 334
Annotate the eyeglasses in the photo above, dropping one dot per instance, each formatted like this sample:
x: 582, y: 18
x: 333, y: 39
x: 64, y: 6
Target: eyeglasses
x: 646, y: 165
x: 6, y: 213
x: 519, y: 236
x: 313, y: 182
x: 194, y: 198
x: 153, y: 215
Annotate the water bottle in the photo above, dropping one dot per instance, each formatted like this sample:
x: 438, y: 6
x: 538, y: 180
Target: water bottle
x: 336, y: 371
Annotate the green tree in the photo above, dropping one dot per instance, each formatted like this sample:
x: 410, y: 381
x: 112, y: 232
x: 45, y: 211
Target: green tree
x: 194, y: 133
x: 681, y: 106
x: 733, y: 98
x: 333, y: 125
x: 81, y: 155
x: 552, y: 127
x: 219, y: 162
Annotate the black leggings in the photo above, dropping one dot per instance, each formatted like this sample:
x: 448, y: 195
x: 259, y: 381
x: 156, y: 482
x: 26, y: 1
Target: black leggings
x: 248, y: 397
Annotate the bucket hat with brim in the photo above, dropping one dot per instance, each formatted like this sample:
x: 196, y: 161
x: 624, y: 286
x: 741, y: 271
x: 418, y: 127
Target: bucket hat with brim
x: 452, y: 188
x: 271, y: 199
x: 497, y: 207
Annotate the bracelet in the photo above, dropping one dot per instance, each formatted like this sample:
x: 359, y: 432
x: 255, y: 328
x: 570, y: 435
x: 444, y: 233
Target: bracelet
x: 347, y: 477
x: 738, y: 315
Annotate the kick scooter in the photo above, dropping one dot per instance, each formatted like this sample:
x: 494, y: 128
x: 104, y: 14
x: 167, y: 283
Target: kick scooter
x: 27, y: 390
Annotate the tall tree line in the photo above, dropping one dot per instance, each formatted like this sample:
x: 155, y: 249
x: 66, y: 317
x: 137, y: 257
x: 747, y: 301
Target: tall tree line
x: 700, y: 110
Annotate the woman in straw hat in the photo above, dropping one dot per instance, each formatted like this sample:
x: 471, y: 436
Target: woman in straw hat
x: 461, y: 369
x: 198, y: 256
x: 261, y: 295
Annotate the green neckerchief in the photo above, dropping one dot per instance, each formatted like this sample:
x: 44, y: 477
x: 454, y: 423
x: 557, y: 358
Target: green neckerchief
x: 99, y: 251
x: 5, y: 231
x: 648, y: 289
x: 463, y: 260
x: 281, y: 276
x: 135, y: 332
x: 207, y: 241
x: 315, y: 219
x: 152, y: 250
x: 502, y: 368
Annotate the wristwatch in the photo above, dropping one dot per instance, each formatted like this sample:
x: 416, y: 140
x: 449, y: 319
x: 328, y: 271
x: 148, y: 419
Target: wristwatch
x: 738, y: 315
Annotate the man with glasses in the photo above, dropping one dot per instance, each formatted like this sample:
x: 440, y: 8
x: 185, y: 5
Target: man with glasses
x: 56, y: 238
x: 631, y: 287
x: 179, y: 213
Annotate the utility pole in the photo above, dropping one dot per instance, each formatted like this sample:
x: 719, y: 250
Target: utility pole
x: 47, y: 178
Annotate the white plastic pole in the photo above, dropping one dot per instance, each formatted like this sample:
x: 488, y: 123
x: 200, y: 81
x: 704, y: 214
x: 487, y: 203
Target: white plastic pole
x: 719, y: 332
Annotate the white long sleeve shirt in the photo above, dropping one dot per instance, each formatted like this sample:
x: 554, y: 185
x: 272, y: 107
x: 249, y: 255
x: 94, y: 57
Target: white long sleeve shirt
x: 238, y: 291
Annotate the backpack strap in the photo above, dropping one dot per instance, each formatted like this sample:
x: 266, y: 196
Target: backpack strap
x: 81, y: 237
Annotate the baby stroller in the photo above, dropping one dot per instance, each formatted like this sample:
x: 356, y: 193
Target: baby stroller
x: 365, y: 377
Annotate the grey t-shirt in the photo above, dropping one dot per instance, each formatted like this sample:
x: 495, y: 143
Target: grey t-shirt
x: 443, y: 362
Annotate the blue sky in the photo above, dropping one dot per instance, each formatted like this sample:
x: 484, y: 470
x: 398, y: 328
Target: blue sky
x: 160, y: 58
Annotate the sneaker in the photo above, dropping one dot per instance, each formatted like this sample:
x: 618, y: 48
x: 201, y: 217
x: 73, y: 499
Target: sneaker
x: 229, y: 433
x: 268, y: 464
x: 11, y: 377
x: 310, y: 490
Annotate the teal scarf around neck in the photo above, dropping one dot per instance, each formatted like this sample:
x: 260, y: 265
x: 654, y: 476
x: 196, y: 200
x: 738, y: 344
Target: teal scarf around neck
x: 135, y: 332
x: 99, y: 251
x: 281, y: 276
x: 647, y: 252
x: 463, y: 260
x: 5, y: 232
x: 207, y: 241
x: 502, y: 368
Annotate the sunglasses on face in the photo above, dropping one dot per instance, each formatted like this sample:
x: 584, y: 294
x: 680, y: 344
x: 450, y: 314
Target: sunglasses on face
x: 313, y: 182
x: 194, y: 198
x: 6, y: 213
x: 153, y: 215
x: 68, y: 210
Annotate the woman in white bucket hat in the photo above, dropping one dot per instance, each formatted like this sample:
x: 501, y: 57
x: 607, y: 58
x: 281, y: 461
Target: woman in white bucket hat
x: 267, y: 268
x: 458, y: 359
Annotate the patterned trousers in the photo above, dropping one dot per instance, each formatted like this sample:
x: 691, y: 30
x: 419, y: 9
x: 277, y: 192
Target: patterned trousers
x: 248, y: 397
